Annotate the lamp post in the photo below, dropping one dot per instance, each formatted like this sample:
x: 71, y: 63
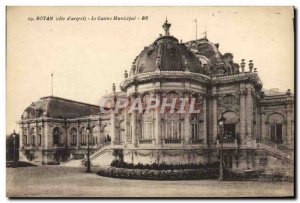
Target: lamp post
x: 14, y: 153
x: 221, y: 129
x: 88, y: 165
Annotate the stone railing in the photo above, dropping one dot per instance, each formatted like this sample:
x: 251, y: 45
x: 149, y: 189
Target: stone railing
x: 101, y: 149
x: 118, y: 142
x: 145, y: 141
x: 275, y: 148
x: 172, y: 141
x: 227, y: 143
x: 197, y: 141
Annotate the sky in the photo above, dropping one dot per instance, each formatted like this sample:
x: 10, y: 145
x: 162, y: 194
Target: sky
x: 86, y: 57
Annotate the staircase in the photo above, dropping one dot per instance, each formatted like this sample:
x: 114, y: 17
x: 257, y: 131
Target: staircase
x: 80, y: 162
x: 102, y: 149
x: 277, y: 150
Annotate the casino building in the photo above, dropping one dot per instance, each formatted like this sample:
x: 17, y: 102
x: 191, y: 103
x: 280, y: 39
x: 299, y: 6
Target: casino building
x: 253, y: 127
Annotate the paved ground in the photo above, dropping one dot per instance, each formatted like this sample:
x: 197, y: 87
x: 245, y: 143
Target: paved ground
x: 58, y: 181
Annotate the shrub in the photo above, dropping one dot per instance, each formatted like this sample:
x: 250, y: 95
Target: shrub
x: 164, y: 166
x: 150, y: 174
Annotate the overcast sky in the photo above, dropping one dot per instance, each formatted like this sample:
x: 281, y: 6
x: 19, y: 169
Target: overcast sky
x: 86, y: 57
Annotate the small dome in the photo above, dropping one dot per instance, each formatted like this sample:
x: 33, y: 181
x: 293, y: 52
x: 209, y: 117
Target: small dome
x: 166, y: 54
x: 206, y: 48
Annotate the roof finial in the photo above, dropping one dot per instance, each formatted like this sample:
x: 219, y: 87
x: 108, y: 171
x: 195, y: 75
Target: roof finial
x: 114, y: 87
x: 166, y: 27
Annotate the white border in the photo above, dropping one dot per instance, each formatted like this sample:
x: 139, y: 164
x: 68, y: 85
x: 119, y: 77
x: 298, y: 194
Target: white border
x: 5, y: 3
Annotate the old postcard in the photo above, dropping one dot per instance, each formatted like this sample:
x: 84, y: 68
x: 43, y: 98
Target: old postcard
x: 150, y: 102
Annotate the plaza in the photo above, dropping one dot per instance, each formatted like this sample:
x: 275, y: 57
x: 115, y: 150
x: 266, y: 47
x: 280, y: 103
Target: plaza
x: 61, y: 181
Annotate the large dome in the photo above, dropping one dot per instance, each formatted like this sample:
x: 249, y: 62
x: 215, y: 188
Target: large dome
x: 166, y: 54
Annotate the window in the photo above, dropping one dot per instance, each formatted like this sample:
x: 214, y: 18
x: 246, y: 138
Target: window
x: 173, y: 130
x: 195, y: 127
x: 147, y: 131
x: 228, y: 99
x: 73, y: 137
x: 83, y: 136
x: 39, y: 140
x: 56, y: 135
x: 276, y: 133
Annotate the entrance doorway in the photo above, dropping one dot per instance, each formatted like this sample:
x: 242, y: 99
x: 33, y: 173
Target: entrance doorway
x: 229, y: 130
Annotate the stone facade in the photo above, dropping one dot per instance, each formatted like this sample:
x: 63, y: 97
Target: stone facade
x: 259, y: 126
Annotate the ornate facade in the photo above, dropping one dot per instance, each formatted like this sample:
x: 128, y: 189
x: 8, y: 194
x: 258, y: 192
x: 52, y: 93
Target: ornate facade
x: 258, y: 130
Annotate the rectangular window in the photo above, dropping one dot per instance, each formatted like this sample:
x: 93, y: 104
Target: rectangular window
x: 195, y: 130
x: 33, y: 140
x: 40, y: 140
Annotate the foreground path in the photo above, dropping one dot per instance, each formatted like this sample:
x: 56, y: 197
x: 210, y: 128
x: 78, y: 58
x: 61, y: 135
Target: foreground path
x: 59, y: 181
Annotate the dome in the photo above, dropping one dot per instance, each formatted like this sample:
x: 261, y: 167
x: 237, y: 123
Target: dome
x: 204, y: 47
x: 166, y: 54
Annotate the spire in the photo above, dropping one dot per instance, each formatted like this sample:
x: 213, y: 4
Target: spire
x: 166, y: 27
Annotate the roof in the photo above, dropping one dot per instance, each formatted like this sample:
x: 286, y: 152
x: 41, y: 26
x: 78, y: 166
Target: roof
x: 56, y: 107
x: 207, y: 49
x: 166, y: 54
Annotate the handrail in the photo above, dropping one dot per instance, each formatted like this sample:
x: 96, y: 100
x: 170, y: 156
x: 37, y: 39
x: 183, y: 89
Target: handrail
x: 279, y: 149
x: 100, y: 149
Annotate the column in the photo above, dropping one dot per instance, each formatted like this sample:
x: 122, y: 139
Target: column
x: 36, y: 134
x: 215, y: 119
x: 289, y: 128
x: 21, y: 135
x: 187, y: 125
x: 67, y: 138
x: 78, y: 135
x: 242, y: 116
x: 204, y: 124
x: 133, y: 123
x: 47, y: 135
x: 126, y: 126
x: 249, y: 113
x: 157, y: 132
x: 29, y: 141
x: 262, y: 125
x: 113, y: 127
x: 43, y: 135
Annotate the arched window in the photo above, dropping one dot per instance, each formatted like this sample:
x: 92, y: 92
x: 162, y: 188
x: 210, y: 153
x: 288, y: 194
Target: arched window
x: 275, y: 130
x: 56, y: 136
x: 73, y: 137
x: 230, y: 125
x: 83, y: 136
x: 195, y: 126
